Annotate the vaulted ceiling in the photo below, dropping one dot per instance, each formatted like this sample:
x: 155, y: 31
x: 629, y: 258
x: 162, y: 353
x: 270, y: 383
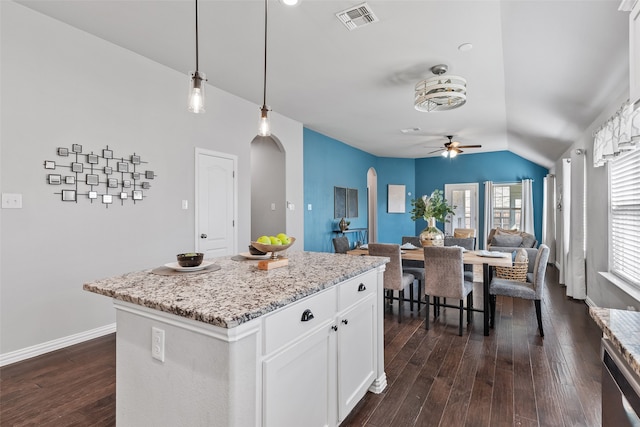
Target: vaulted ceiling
x: 539, y: 72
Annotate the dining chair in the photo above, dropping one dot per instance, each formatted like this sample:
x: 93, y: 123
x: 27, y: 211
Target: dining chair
x: 341, y: 244
x: 444, y: 277
x: 416, y: 268
x: 531, y: 290
x: 468, y: 243
x: 394, y: 278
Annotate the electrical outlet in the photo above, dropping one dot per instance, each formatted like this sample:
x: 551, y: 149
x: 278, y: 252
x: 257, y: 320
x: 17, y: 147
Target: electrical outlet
x: 157, y: 343
x: 11, y: 201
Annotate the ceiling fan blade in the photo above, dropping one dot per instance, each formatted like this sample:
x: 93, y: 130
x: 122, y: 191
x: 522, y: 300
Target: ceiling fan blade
x: 457, y: 150
x: 453, y: 144
x: 434, y: 151
x: 469, y: 146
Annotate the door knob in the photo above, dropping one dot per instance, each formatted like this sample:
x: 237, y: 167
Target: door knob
x: 203, y: 236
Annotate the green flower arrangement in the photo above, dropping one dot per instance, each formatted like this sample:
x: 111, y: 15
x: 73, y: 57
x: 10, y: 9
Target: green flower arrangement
x: 434, y: 206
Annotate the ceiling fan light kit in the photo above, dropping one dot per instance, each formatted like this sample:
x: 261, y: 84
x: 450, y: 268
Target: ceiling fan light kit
x: 453, y: 148
x: 440, y: 93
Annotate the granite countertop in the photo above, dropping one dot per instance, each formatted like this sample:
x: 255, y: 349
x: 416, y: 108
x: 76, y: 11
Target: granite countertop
x: 622, y: 328
x: 238, y: 291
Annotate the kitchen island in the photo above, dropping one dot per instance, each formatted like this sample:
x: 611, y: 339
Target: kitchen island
x: 239, y: 346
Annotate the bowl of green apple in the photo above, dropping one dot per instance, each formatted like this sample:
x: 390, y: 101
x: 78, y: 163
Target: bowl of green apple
x: 273, y: 244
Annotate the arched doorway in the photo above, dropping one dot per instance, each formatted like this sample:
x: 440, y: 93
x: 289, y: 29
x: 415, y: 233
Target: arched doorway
x: 268, y: 187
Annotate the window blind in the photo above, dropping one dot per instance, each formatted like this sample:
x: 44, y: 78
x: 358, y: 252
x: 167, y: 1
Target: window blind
x: 625, y: 216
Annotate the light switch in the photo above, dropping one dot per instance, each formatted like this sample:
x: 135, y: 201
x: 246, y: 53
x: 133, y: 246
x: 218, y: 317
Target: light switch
x: 185, y: 204
x: 309, y: 207
x: 11, y: 201
x: 273, y: 206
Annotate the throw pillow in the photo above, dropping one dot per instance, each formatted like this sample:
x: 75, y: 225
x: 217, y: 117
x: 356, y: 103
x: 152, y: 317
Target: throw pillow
x: 512, y: 241
x: 503, y: 231
x: 521, y: 256
x: 528, y: 240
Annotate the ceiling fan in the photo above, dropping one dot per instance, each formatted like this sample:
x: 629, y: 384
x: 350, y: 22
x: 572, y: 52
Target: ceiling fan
x: 453, y: 148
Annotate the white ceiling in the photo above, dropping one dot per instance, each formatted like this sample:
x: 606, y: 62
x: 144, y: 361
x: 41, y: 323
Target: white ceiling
x: 538, y: 74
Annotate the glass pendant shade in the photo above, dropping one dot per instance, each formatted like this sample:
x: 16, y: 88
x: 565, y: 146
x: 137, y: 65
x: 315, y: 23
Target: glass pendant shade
x: 264, y: 126
x: 196, y: 92
x: 445, y: 153
x: 453, y: 153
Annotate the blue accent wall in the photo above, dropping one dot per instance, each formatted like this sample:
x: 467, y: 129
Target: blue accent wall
x: 329, y: 162
x: 498, y: 166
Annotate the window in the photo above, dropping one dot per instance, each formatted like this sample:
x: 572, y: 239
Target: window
x: 507, y: 205
x: 625, y: 217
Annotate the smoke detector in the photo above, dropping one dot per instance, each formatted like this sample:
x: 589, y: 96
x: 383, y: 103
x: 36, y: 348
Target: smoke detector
x: 357, y: 16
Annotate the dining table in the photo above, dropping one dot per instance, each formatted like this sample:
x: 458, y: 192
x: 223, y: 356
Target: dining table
x: 487, y: 259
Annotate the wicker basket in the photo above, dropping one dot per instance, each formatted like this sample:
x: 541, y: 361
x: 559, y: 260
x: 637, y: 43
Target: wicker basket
x: 517, y: 273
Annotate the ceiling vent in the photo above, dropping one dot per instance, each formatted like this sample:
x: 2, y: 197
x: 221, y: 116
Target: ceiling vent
x: 357, y: 16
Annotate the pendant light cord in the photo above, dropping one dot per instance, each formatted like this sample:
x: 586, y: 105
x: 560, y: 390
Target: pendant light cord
x: 264, y: 85
x: 197, y: 49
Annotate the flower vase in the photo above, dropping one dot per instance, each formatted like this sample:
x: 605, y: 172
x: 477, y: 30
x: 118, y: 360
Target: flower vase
x: 432, y: 236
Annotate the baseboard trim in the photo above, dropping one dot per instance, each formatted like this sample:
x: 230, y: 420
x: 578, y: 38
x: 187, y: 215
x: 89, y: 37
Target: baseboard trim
x: 46, y: 347
x: 590, y: 302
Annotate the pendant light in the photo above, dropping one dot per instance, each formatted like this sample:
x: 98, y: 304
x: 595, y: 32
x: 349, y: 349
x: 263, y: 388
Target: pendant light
x: 197, y: 81
x: 264, y: 126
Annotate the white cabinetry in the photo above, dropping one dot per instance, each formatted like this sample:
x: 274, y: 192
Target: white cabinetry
x: 634, y: 53
x: 305, y: 364
x: 327, y: 359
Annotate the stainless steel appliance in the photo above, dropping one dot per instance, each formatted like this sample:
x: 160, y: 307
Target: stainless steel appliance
x: 620, y: 390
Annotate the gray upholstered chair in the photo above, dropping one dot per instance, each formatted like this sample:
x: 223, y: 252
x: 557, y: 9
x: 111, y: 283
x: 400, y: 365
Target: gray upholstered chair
x: 444, y: 277
x: 394, y: 278
x: 414, y: 267
x: 528, y: 290
x: 469, y: 243
x: 341, y: 244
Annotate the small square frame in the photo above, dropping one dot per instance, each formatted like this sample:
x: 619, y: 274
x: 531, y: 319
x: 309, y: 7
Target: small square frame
x: 49, y: 164
x: 112, y: 183
x: 54, y: 179
x: 63, y: 151
x: 92, y: 179
x: 135, y: 159
x: 123, y: 167
x: 137, y: 195
x: 124, y: 195
x: 68, y: 195
x: 126, y: 183
x: 76, y: 148
x: 92, y: 159
x: 135, y: 175
x: 107, y: 199
x: 93, y: 194
x: 149, y: 175
x: 107, y: 154
x: 146, y: 185
x: 69, y: 179
x: 77, y: 167
x: 108, y: 170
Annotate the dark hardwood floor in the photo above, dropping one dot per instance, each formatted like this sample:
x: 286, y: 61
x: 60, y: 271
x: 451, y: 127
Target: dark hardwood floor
x: 511, y: 378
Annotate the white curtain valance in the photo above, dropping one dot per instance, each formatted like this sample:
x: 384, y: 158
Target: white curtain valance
x: 620, y: 133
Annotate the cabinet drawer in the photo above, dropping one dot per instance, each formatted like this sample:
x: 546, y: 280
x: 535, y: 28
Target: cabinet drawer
x: 287, y: 325
x: 356, y: 289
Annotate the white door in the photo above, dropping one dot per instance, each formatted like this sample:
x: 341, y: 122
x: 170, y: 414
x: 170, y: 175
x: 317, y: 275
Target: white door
x: 215, y: 203
x: 465, y: 198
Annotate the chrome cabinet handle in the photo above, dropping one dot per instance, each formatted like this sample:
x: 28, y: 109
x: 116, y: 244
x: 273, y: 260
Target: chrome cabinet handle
x: 345, y: 321
x: 334, y: 328
x: 362, y: 287
x: 306, y: 316
x: 203, y: 236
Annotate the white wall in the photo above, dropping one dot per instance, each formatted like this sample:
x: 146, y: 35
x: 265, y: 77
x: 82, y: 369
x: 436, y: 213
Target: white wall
x: 61, y: 86
x: 600, y: 291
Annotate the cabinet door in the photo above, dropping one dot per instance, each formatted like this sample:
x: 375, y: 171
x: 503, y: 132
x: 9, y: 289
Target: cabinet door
x: 300, y: 382
x: 356, y: 353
